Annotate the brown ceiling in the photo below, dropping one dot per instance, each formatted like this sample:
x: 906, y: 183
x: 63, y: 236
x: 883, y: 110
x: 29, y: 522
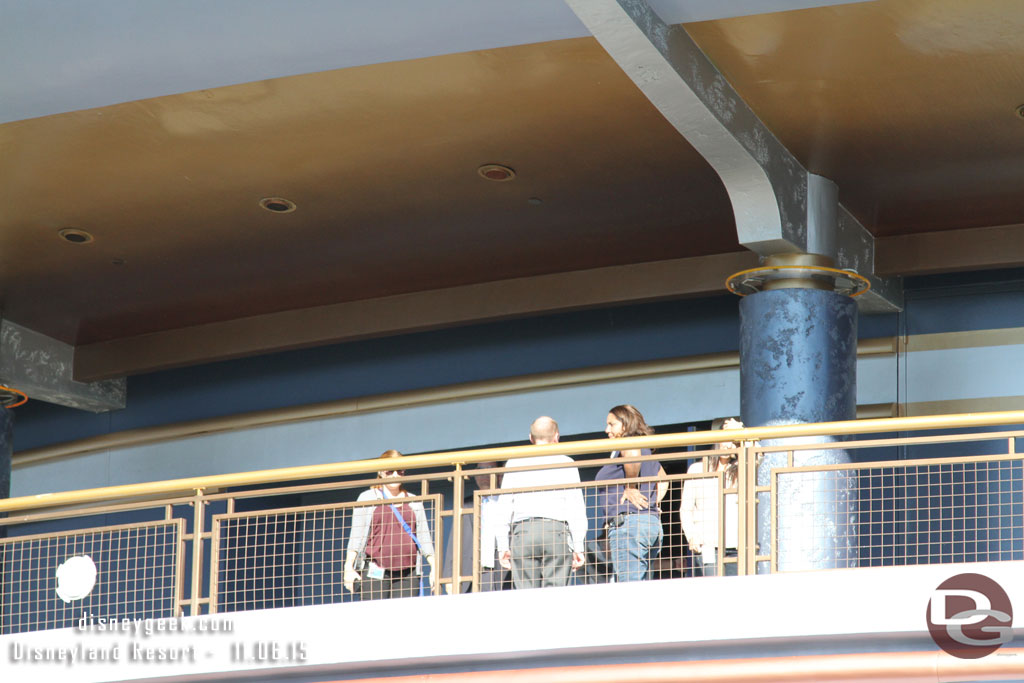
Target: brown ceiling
x: 909, y: 105
x: 382, y: 162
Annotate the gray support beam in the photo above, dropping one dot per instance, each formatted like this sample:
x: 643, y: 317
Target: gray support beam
x: 41, y: 367
x: 855, y: 250
x: 834, y: 232
x: 689, y: 91
x: 779, y: 207
x: 822, y: 219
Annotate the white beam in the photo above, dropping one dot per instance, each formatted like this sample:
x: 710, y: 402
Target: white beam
x: 685, y: 11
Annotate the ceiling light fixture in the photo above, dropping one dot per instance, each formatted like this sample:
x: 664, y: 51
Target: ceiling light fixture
x: 75, y: 236
x: 496, y: 172
x: 277, y: 204
x: 1020, y: 111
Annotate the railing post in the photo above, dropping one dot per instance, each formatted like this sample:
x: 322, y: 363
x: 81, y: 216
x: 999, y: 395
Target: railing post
x: 457, y: 494
x: 475, y: 587
x: 746, y: 500
x: 773, y: 514
x: 721, y: 531
x: 198, y: 510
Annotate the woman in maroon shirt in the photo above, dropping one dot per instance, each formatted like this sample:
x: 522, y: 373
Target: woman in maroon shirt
x: 387, y: 541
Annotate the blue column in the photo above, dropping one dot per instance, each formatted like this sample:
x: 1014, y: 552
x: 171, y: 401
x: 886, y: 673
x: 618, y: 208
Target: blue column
x: 6, y: 432
x: 798, y: 355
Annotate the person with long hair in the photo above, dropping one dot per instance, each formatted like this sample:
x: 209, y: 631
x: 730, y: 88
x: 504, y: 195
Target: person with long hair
x: 631, y: 511
x: 698, y: 511
x: 388, y: 541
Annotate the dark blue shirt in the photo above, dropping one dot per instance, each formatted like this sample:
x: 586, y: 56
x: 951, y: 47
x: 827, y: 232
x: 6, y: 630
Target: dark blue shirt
x: 609, y: 496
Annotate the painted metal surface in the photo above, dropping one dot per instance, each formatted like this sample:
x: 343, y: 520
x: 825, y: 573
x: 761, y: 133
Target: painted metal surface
x: 766, y: 185
x: 856, y: 251
x: 797, y: 357
x: 778, y: 206
x: 42, y: 367
x: 797, y: 365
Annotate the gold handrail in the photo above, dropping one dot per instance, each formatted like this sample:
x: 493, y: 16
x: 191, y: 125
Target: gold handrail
x: 661, y: 441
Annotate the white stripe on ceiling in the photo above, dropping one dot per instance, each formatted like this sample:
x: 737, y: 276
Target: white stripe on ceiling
x: 66, y: 55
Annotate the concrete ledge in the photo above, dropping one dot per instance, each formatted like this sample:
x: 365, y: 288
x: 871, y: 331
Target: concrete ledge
x: 799, y: 614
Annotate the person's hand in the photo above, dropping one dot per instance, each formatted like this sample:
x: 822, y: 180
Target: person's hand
x: 578, y: 560
x: 350, y: 578
x: 634, y: 496
x: 433, y: 575
x: 506, y: 559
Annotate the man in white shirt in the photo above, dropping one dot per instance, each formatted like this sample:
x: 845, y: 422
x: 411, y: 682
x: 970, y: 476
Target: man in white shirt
x: 541, y: 534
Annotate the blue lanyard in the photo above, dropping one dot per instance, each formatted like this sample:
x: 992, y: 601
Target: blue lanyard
x: 405, y: 525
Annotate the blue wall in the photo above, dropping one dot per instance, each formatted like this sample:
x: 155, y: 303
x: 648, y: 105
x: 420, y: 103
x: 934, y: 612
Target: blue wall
x: 965, y: 302
x: 493, y: 350
x: 416, y: 361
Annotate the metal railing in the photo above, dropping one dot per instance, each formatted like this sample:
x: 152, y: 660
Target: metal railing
x: 919, y: 510
x: 206, y: 545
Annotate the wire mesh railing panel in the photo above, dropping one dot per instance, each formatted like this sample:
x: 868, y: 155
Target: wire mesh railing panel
x: 55, y: 580
x: 297, y: 556
x: 897, y: 514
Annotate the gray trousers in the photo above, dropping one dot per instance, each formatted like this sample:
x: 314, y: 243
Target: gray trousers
x: 540, y: 553
x: 400, y: 584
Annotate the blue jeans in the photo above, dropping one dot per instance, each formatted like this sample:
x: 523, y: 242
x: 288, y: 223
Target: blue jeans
x: 632, y: 544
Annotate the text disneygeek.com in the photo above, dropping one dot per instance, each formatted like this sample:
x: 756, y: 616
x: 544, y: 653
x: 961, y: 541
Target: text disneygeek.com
x: 140, y: 650
x: 89, y: 623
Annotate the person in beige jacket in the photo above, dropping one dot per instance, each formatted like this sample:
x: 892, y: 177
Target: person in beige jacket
x: 699, y: 510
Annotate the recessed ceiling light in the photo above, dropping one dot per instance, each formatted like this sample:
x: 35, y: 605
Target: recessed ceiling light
x: 1020, y: 111
x: 75, y: 236
x: 534, y: 201
x: 277, y: 204
x: 496, y: 172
